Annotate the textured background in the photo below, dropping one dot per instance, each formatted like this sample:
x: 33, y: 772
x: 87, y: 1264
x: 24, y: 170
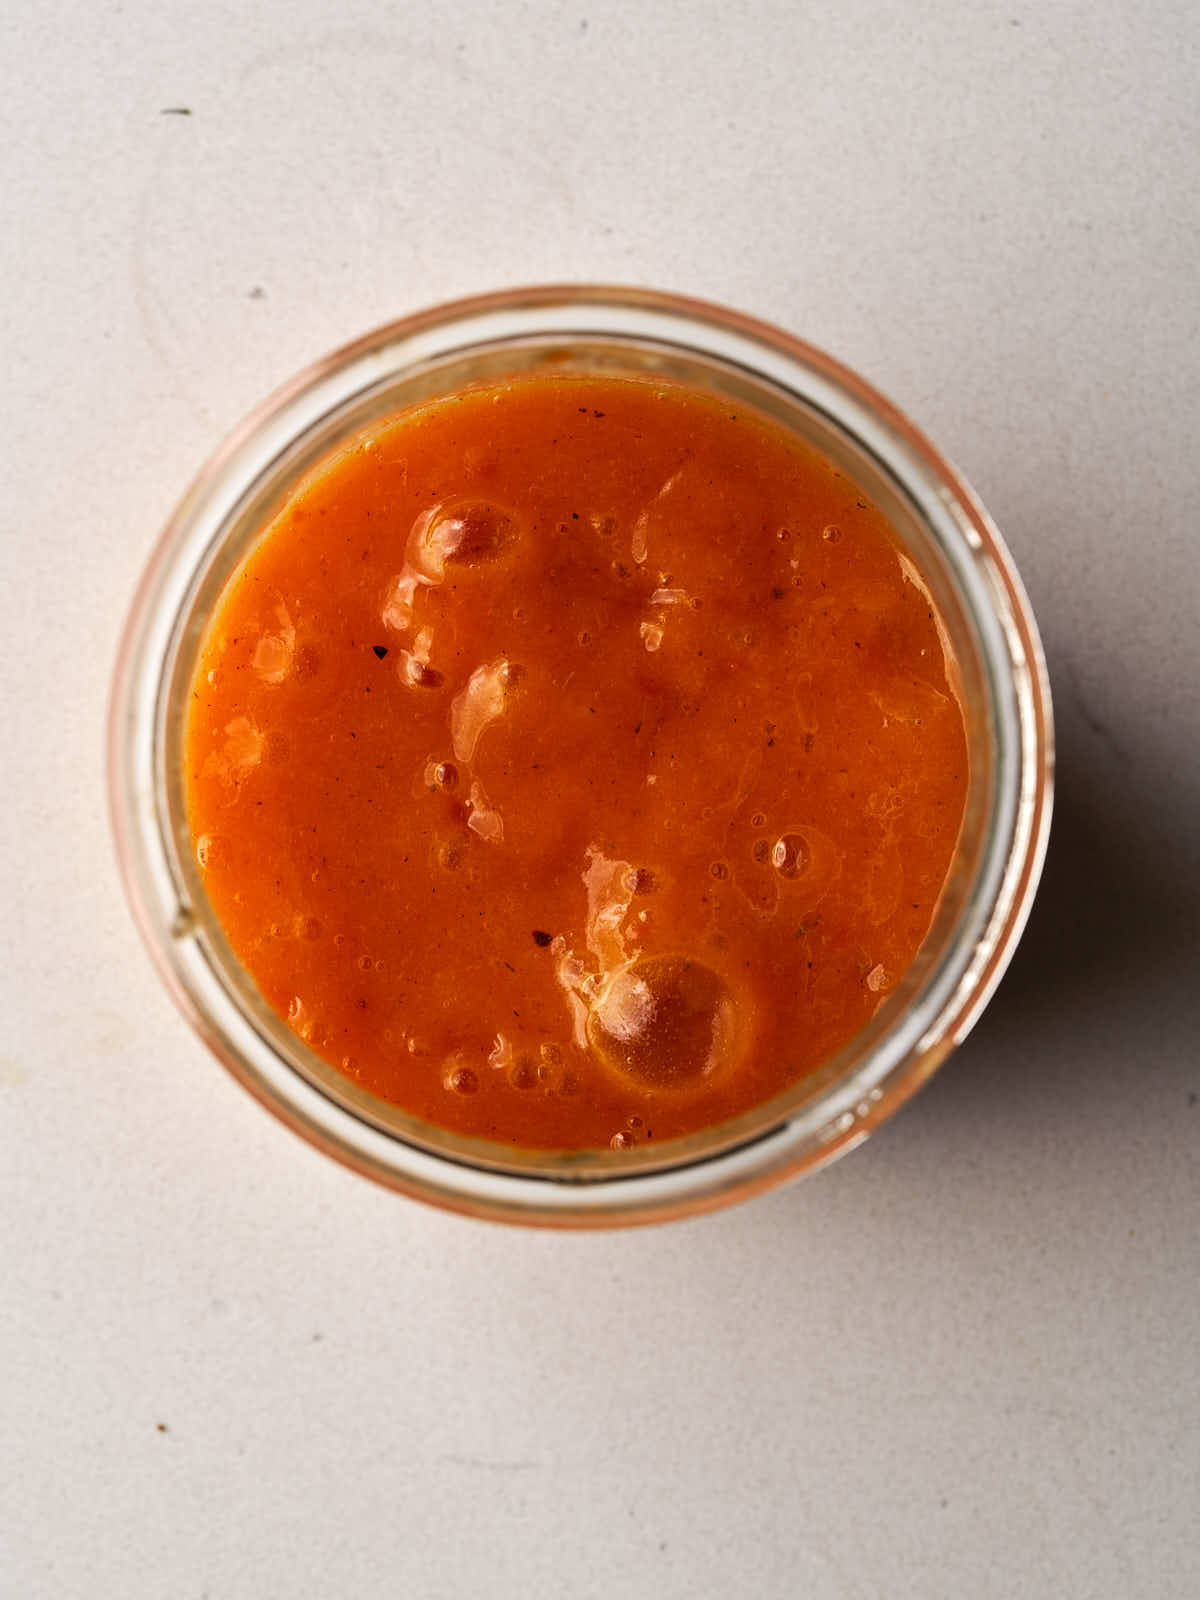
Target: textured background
x: 965, y: 1361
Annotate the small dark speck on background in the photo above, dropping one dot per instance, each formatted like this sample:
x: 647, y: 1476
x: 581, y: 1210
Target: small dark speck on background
x: 161, y: 1426
x: 175, y: 111
x: 1192, y: 1097
x: 257, y: 293
x: 541, y: 937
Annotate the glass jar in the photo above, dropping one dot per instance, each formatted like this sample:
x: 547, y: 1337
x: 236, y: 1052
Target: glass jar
x: 949, y: 537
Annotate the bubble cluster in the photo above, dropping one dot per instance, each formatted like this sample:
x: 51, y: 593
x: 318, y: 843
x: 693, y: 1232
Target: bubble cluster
x: 543, y: 1068
x: 627, y: 1137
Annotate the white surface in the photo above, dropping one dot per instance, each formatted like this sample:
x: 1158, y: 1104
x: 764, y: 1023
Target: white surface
x: 964, y: 1362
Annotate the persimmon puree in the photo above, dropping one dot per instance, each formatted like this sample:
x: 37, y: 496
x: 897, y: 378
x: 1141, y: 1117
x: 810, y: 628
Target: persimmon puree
x: 575, y: 762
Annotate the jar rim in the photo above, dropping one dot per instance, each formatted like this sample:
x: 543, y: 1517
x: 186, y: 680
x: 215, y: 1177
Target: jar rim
x: 457, y: 1174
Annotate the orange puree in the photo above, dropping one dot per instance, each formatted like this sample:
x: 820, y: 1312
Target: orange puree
x: 573, y: 761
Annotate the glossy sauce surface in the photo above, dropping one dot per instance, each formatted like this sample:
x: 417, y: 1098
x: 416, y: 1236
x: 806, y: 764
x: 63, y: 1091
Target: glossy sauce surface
x: 574, y: 763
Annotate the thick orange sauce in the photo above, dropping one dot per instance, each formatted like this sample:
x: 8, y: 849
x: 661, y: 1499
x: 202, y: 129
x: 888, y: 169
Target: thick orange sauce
x: 574, y: 763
